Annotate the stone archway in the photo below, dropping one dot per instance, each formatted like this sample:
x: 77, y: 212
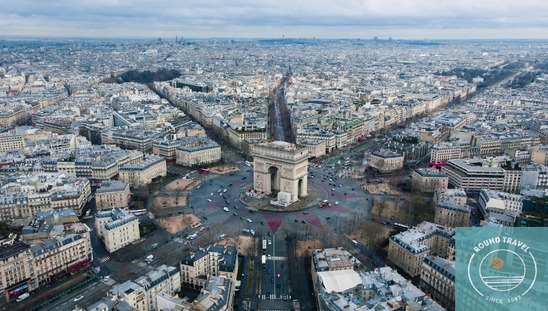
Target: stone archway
x: 274, y: 179
x: 280, y: 167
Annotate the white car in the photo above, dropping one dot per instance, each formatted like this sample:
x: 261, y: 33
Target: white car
x: 79, y: 297
x: 269, y: 242
x: 209, y: 200
x: 336, y: 202
x: 249, y: 220
x: 226, y: 209
x: 211, y: 193
x: 268, y: 256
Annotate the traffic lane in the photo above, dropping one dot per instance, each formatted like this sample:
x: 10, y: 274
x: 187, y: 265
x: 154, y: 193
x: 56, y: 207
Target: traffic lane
x: 90, y: 294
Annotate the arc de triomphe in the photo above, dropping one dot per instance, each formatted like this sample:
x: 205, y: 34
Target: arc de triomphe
x: 280, y: 167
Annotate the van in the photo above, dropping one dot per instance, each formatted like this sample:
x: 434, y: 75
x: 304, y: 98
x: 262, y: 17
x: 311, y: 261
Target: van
x: 23, y: 297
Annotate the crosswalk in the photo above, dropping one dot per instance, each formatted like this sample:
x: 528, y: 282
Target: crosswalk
x: 273, y: 297
x: 104, y: 259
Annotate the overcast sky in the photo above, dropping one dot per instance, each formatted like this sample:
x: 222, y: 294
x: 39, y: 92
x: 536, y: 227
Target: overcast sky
x: 400, y: 19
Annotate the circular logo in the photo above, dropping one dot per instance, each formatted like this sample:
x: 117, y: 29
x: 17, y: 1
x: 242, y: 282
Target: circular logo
x: 501, y: 273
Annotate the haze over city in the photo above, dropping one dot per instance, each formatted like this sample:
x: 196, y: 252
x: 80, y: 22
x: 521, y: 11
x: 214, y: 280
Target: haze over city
x: 401, y: 19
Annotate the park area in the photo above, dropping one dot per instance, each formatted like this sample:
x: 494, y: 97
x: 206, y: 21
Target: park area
x: 174, y: 224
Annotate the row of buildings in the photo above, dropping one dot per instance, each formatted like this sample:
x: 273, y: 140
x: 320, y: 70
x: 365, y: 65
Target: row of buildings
x: 54, y: 244
x: 212, y: 270
x: 340, y: 283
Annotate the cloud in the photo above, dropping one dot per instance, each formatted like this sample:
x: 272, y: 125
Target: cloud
x: 259, y: 18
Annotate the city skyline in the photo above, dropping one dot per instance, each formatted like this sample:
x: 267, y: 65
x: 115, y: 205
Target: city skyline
x: 424, y: 19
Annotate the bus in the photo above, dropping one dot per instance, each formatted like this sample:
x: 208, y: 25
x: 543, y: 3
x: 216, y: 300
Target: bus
x: 263, y: 259
x: 264, y: 245
x: 203, y: 171
x: 139, y: 212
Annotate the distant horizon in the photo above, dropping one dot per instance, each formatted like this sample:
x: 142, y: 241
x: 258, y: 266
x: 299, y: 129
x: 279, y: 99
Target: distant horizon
x: 325, y: 19
x: 173, y: 39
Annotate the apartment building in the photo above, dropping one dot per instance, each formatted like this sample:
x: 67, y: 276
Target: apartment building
x: 217, y: 294
x: 315, y: 148
x: 17, y: 271
x: 117, y: 228
x: 444, y: 152
x: 317, y: 133
x: 428, y: 179
x: 197, y: 151
x: 62, y: 255
x: 13, y: 114
x: 386, y: 161
x: 502, y: 206
x: 132, y: 294
x: 352, y: 288
x: 142, y: 173
x: 73, y: 195
x: 132, y: 138
x: 237, y: 137
x: 408, y: 249
x: 438, y: 280
x: 472, y: 175
x: 10, y: 142
x: 38, y: 192
x: 451, y: 209
x: 112, y: 194
x: 216, y: 260
x: 163, y: 279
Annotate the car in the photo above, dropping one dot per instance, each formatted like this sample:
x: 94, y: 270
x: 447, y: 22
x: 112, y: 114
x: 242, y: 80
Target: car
x: 302, y: 221
x: 296, y: 220
x: 269, y: 233
x: 219, y: 190
x: 269, y: 242
x: 209, y: 200
x: 235, y: 214
x: 244, y: 177
x: 271, y: 280
x: 305, y: 213
x: 229, y: 185
x: 278, y: 276
x: 327, y: 218
x: 205, y: 218
x: 262, y: 222
x: 269, y: 257
x: 352, y: 189
x: 211, y: 193
x: 332, y: 189
x: 235, y: 207
x: 278, y: 285
x: 241, y: 218
x: 251, y: 211
x: 345, y: 193
x: 249, y: 220
x: 336, y: 202
x: 106, y: 277
x: 79, y: 297
x: 225, y: 209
